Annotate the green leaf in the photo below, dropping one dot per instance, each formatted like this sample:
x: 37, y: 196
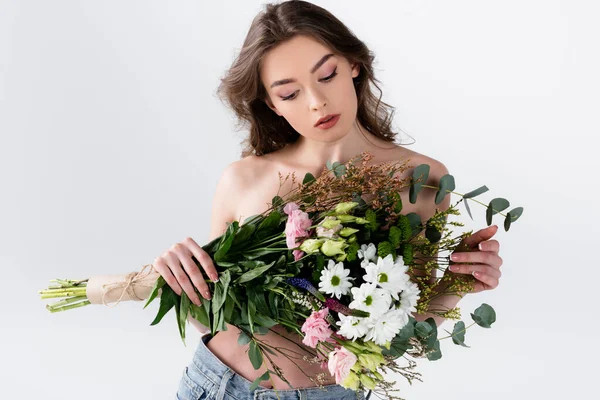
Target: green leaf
x: 400, y: 343
x: 418, y: 178
x: 436, y: 354
x: 264, y: 320
x: 468, y: 208
x: 258, y: 380
x: 229, y: 306
x: 423, y: 329
x: 183, y: 313
x: 507, y: 221
x: 251, y: 313
x: 220, y: 293
x: 199, y: 314
x: 255, y: 355
x: 226, y: 242
x: 160, y: 282
x: 339, y: 170
x: 271, y: 222
x: 178, y: 317
x: 244, y: 234
x: 458, y: 333
x: 446, y: 186
x: 415, y: 222
x: 308, y: 178
x: 499, y: 204
x: 488, y: 215
x: 432, y: 234
x: 253, y: 273
x: 515, y: 213
x: 476, y: 192
x: 243, y: 339
x: 276, y: 201
x: 167, y: 301
x: 484, y: 315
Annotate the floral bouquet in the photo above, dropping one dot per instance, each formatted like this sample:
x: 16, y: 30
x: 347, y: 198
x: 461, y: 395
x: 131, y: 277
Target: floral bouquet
x: 335, y: 262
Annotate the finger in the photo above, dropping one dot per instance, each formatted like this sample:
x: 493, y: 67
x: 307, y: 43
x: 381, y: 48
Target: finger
x: 483, y: 257
x: 479, y: 236
x: 161, y: 266
x: 182, y: 278
x: 192, y: 271
x: 490, y: 245
x: 203, y: 258
x: 470, y: 268
x: 488, y: 280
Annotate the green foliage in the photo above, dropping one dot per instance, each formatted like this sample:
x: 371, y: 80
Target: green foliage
x: 446, y: 186
x: 256, y: 357
x: 395, y: 236
x: 484, y: 315
x: 418, y: 179
x: 371, y: 216
x: 400, y: 343
x: 160, y: 282
x: 384, y: 248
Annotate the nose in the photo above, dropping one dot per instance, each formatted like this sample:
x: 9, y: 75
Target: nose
x: 317, y: 100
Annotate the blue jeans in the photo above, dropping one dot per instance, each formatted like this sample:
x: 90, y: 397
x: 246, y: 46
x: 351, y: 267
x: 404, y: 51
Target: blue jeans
x: 206, y: 377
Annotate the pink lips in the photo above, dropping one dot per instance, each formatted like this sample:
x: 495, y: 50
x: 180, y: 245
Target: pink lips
x: 331, y: 119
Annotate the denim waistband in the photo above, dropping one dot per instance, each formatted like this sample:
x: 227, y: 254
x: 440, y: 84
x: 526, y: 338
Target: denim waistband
x: 231, y: 385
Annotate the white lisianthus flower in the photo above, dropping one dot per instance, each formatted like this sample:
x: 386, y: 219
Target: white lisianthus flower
x: 384, y: 328
x: 368, y: 253
x: 368, y: 297
x: 409, y: 297
x: 335, y: 280
x: 388, y: 274
x: 353, y: 327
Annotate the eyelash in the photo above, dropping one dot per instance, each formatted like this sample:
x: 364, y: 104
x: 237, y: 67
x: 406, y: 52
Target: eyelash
x: 326, y: 80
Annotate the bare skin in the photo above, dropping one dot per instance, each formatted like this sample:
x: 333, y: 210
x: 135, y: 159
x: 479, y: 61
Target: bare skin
x: 318, y: 84
x: 319, y: 88
x: 256, y: 196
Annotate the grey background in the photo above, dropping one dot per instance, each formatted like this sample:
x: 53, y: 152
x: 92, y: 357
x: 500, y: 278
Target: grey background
x: 112, y: 141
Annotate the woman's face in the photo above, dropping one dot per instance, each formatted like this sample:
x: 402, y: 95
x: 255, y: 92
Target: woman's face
x: 305, y: 82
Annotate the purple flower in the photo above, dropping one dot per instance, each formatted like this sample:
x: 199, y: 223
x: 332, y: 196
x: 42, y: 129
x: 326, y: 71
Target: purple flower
x: 336, y: 306
x: 306, y: 285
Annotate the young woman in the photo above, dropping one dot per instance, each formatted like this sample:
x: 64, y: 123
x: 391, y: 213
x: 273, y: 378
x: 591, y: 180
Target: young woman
x: 302, y: 82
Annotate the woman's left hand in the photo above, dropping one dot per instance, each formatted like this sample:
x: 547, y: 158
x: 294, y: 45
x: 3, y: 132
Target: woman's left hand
x: 484, y: 254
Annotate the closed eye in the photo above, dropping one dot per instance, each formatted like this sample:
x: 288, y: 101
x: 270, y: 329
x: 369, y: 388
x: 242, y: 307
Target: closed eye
x: 326, y: 79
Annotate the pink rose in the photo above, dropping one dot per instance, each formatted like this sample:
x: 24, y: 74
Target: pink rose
x: 289, y: 207
x: 296, y: 226
x: 298, y: 254
x: 340, y: 362
x: 316, y: 328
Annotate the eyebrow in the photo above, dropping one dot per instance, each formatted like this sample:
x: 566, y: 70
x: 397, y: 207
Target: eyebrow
x: 312, y: 71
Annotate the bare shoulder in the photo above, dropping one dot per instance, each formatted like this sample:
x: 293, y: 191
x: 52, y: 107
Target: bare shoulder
x: 425, y: 205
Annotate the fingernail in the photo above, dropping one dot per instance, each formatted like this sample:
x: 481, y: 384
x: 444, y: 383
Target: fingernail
x: 215, y: 279
x: 453, y: 268
x: 480, y: 246
x: 455, y: 257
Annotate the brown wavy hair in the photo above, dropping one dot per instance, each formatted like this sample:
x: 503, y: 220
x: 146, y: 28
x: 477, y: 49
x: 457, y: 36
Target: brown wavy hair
x: 242, y: 90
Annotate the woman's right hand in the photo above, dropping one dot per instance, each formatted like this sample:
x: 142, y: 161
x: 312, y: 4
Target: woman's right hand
x: 169, y: 266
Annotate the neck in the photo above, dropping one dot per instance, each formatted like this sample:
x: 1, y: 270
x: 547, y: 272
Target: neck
x: 358, y: 139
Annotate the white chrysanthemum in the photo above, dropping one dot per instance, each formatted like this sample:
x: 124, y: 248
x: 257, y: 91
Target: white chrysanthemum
x: 335, y: 280
x: 409, y: 297
x: 388, y: 274
x: 368, y: 297
x: 387, y: 326
x: 367, y: 253
x: 353, y: 327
